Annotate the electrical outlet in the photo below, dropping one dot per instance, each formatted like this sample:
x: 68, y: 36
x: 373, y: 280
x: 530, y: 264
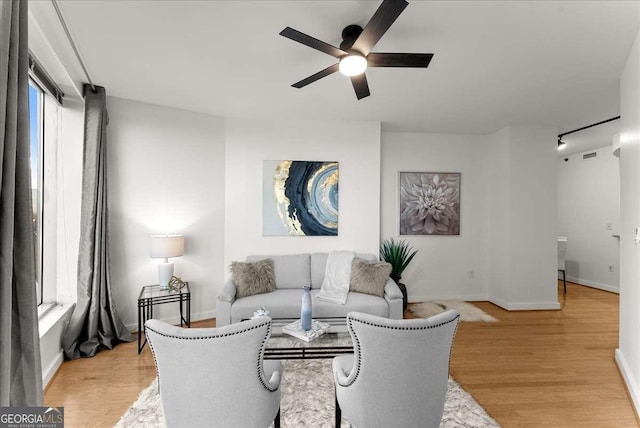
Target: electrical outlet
x: 610, y: 268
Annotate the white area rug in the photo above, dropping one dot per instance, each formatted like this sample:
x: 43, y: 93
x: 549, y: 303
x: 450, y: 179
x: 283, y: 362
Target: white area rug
x: 468, y: 312
x: 308, y: 401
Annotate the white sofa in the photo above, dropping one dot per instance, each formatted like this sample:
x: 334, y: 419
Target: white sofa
x: 292, y: 273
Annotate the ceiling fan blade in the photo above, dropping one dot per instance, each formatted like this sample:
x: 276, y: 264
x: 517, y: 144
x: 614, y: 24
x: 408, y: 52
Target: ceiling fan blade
x: 312, y: 42
x: 379, y: 23
x: 376, y: 59
x: 360, y: 85
x: 319, y: 75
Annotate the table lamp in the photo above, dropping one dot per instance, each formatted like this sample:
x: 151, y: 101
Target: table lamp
x: 163, y: 247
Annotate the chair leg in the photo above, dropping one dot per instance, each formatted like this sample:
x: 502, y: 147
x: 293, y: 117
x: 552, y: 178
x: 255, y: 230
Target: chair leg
x: 276, y: 421
x: 338, y: 414
x: 564, y: 281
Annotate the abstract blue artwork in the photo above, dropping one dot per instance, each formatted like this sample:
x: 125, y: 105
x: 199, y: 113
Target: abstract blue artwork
x: 300, y: 198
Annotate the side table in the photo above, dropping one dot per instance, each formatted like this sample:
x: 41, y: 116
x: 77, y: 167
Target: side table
x: 151, y: 295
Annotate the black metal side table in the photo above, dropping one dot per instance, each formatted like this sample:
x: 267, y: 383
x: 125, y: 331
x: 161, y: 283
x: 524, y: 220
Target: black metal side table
x: 151, y: 295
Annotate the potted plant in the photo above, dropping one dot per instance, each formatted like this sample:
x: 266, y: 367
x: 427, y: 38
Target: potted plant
x: 398, y: 254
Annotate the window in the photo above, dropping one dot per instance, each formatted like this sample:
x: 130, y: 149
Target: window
x: 45, y: 100
x: 36, y: 136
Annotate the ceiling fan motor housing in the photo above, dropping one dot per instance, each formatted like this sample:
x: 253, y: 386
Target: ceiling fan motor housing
x: 350, y: 34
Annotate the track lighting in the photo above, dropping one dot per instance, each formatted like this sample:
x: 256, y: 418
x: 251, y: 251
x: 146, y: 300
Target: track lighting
x: 561, y: 144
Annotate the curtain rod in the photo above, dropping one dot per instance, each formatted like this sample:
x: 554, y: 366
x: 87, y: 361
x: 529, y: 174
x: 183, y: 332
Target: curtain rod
x: 588, y: 126
x: 40, y: 76
x: 73, y: 45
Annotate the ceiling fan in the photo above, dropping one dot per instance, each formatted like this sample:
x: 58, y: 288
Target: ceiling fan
x: 355, y: 54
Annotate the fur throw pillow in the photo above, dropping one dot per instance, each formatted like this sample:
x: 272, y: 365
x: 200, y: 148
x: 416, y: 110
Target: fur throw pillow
x: 369, y: 278
x: 253, y: 278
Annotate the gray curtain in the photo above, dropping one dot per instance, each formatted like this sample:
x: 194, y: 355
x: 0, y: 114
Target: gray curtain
x: 95, y: 323
x: 20, y: 370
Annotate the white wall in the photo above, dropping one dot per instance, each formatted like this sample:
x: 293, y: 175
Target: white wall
x: 166, y: 174
x: 355, y: 145
x: 508, y: 216
x: 588, y: 215
x: 628, y: 353
x: 522, y: 192
x: 445, y: 266
x: 499, y: 216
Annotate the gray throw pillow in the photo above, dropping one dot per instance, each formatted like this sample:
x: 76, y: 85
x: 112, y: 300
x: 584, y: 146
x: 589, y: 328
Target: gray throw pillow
x: 369, y: 278
x: 253, y: 278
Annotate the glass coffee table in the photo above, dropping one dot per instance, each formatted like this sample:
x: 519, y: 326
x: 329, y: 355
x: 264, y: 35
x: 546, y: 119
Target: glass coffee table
x: 329, y: 345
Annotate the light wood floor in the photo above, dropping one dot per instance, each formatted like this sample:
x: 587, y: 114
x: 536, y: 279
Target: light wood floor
x: 532, y: 368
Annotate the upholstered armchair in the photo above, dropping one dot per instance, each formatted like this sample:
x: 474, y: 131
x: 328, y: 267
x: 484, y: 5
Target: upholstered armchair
x: 216, y: 377
x: 399, y: 371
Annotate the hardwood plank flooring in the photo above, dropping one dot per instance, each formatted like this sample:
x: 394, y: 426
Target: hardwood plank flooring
x: 547, y: 368
x: 530, y: 369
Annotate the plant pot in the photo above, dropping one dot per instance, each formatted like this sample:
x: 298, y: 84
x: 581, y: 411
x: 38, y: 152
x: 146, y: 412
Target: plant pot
x: 405, y: 300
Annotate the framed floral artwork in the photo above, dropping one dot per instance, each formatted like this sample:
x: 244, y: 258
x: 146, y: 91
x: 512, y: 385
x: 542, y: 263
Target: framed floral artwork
x: 429, y: 203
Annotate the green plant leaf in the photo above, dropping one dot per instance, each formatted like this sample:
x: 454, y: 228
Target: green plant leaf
x: 398, y: 254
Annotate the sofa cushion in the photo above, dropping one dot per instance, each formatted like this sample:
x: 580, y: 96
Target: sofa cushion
x: 253, y: 278
x: 369, y: 278
x: 319, y: 266
x: 291, y: 271
x: 285, y: 304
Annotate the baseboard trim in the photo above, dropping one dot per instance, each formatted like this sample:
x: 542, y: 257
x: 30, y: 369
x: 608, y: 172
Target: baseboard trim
x: 198, y: 316
x: 466, y: 298
x: 499, y: 302
x: 525, y: 306
x: 632, y: 386
x: 51, y: 370
x: 592, y: 284
x: 510, y: 306
x: 52, y: 325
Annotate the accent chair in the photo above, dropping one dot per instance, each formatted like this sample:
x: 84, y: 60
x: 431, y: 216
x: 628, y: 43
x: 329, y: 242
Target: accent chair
x: 216, y: 377
x: 398, y: 374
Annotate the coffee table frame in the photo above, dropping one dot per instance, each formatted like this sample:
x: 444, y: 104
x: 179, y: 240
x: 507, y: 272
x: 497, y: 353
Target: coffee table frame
x: 307, y: 350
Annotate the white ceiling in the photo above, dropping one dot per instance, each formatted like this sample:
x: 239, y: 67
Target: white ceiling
x: 496, y: 63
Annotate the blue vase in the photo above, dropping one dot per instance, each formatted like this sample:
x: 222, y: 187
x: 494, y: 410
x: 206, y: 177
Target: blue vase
x: 305, y: 309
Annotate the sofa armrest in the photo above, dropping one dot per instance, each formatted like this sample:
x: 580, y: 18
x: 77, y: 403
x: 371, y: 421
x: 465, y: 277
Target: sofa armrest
x: 226, y: 297
x: 391, y: 290
x: 393, y: 296
x: 228, y: 292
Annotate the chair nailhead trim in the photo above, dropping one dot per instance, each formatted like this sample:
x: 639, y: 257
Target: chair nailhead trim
x: 263, y: 381
x: 215, y: 336
x: 153, y: 352
x: 426, y: 327
x: 351, y: 320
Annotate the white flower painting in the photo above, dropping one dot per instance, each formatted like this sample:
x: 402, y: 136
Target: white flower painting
x: 429, y: 203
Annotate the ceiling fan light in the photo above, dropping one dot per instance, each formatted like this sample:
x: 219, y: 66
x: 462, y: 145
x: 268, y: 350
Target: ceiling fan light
x: 352, y: 65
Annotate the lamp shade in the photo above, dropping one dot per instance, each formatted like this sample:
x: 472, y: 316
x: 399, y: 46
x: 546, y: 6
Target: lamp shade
x: 164, y: 246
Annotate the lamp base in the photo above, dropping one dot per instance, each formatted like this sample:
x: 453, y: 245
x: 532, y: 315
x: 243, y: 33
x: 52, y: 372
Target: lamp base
x: 165, y: 272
